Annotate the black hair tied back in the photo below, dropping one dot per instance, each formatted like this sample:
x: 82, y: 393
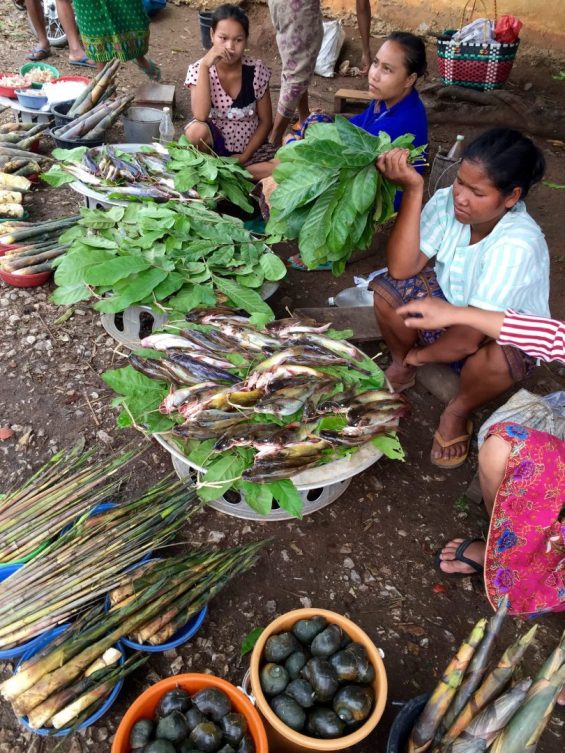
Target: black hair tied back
x: 226, y: 11
x: 414, y: 51
x: 510, y: 159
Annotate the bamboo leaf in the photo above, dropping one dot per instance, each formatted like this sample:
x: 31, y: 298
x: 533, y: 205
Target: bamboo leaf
x: 250, y: 640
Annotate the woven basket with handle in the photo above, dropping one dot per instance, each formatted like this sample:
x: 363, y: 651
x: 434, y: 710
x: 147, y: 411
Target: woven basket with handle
x: 484, y: 66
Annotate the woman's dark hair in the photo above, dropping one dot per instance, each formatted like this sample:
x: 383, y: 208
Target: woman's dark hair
x: 414, y: 51
x: 228, y: 10
x: 510, y: 159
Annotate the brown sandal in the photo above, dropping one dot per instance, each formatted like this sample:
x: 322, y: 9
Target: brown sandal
x: 453, y: 463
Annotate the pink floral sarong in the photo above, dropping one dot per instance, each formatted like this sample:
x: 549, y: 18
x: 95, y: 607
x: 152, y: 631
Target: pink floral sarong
x: 525, y: 554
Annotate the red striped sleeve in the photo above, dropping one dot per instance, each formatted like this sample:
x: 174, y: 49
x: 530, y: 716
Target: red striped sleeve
x: 539, y: 337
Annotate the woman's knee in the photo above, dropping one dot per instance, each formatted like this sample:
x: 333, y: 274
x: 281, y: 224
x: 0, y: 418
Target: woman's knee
x: 198, y: 133
x: 493, y: 457
x: 489, y: 361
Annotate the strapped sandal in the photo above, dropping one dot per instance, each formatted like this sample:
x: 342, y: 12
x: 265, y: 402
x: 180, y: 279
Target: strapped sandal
x: 152, y: 70
x: 38, y: 53
x: 460, y: 557
x: 452, y: 463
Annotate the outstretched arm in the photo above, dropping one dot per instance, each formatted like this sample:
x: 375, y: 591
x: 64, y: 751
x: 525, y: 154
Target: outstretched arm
x: 433, y: 313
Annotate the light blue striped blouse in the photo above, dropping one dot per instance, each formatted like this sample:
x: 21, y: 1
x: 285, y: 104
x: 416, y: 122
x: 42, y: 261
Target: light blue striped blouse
x: 507, y: 269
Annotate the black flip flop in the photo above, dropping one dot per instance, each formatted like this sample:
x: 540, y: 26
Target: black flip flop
x: 460, y: 556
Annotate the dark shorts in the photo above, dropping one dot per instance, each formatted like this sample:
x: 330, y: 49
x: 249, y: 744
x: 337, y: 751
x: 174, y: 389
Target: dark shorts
x: 264, y: 153
x: 425, y: 285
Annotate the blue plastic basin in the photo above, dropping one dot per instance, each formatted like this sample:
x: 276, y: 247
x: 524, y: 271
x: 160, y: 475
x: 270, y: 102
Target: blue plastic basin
x: 34, y: 102
x: 181, y: 636
x: 39, y: 644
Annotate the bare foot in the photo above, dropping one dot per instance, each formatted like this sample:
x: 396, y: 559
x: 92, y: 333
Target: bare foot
x: 400, y: 377
x: 451, y: 425
x: 561, y: 698
x: 475, y: 551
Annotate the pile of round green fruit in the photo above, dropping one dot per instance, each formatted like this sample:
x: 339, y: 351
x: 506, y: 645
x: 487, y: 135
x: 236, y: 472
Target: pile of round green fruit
x: 201, y: 723
x: 318, y: 682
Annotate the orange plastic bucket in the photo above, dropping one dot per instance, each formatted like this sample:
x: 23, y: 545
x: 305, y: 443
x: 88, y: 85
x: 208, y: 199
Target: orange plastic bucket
x: 283, y: 739
x: 145, y: 706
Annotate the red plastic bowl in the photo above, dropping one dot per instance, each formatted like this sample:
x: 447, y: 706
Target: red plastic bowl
x: 25, y: 281
x: 7, y: 247
x: 81, y: 79
x: 10, y: 91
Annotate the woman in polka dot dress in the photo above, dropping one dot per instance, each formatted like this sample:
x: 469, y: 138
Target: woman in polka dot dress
x: 231, y: 101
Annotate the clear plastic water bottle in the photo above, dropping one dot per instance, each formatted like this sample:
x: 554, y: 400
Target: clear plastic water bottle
x: 166, y: 127
x: 456, y: 151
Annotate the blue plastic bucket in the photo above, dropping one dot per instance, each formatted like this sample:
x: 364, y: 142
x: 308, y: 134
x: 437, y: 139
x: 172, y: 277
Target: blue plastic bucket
x: 39, y: 644
x: 402, y: 725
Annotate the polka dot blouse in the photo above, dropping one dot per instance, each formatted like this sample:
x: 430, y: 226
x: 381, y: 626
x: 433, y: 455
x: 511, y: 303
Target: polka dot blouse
x: 237, y: 118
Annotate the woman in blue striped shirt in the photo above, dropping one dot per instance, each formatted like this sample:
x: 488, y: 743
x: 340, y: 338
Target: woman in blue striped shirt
x: 489, y: 253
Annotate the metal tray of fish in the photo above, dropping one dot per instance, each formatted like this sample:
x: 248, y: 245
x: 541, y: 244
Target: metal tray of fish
x: 99, y: 199
x: 312, y: 478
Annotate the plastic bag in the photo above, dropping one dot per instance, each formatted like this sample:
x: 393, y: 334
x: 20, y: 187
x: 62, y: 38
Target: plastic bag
x: 478, y: 31
x: 507, y: 29
x: 334, y: 37
x: 534, y: 411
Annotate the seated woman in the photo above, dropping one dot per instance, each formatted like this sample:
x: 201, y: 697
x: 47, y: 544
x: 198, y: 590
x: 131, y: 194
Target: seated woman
x: 522, y: 474
x: 490, y: 254
x: 396, y: 107
x: 230, y: 96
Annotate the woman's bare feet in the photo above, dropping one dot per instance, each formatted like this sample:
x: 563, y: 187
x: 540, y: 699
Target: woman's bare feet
x: 451, y: 426
x: 474, y: 551
x: 400, y: 377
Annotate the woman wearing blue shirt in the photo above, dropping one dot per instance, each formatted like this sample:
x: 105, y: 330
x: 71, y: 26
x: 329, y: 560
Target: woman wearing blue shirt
x: 489, y: 253
x: 396, y: 107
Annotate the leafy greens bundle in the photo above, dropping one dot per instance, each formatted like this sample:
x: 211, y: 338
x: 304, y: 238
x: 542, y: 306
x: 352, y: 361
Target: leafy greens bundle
x: 330, y: 195
x: 171, y: 255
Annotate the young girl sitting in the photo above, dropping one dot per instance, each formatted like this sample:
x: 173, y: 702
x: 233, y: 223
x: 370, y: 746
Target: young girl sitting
x: 230, y: 96
x: 489, y: 253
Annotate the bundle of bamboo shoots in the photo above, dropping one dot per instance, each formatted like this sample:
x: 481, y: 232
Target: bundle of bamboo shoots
x: 94, y: 123
x: 24, y: 136
x: 66, y: 487
x: 101, y: 85
x: 18, y: 233
x: 467, y: 714
x: 88, y: 560
x: 17, y: 160
x: 171, y: 590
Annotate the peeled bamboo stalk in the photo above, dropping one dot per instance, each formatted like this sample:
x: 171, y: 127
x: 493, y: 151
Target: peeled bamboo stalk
x: 32, y: 230
x: 492, y: 686
x: 424, y: 729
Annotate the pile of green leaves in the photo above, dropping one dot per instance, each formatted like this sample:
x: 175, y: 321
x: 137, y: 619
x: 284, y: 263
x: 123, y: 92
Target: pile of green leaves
x: 174, y: 256
x: 139, y: 398
x: 330, y: 195
x: 211, y: 176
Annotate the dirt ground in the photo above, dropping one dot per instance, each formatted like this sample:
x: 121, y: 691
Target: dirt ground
x: 368, y: 555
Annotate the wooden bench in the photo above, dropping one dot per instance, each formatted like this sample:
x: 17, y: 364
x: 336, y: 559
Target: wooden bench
x: 349, y: 95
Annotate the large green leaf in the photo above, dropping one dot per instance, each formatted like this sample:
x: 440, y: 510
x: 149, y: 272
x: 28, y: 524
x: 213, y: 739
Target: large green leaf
x: 273, y: 267
x: 363, y: 188
x: 243, y: 298
x: 315, y: 229
x: 127, y: 381
x: 258, y: 496
x: 287, y: 496
x: 220, y: 476
x: 138, y: 288
x: 109, y: 272
x: 356, y: 139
